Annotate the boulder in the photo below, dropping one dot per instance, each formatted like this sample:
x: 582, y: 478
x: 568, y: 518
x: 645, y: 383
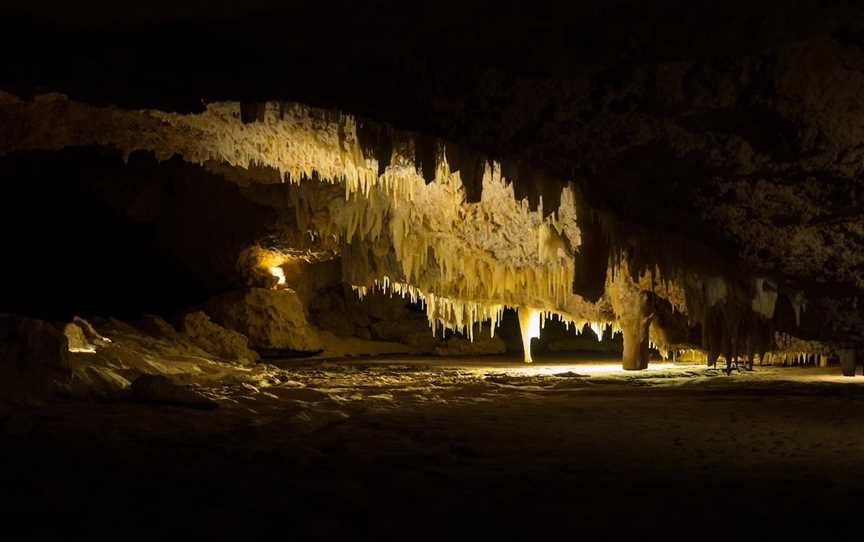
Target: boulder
x: 224, y: 343
x: 34, y: 358
x: 160, y: 389
x: 273, y: 320
x: 89, y: 332
x: 77, y: 340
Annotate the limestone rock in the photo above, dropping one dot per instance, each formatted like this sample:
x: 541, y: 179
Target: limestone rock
x: 83, y: 337
x: 33, y: 358
x: 90, y: 332
x: 77, y: 341
x: 273, y: 320
x: 217, y: 340
x: 160, y: 389
x: 308, y: 279
x: 157, y: 327
x: 90, y: 381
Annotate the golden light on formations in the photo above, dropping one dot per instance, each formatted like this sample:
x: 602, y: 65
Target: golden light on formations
x: 279, y: 273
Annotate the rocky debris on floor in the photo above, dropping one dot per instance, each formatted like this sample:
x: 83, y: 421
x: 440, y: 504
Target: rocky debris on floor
x: 34, y: 359
x: 96, y: 382
x: 273, y: 320
x: 160, y: 389
x: 151, y: 339
x: 149, y: 346
x: 224, y: 343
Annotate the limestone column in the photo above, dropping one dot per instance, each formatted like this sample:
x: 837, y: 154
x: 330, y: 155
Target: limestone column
x: 632, y: 308
x: 847, y: 361
x: 529, y: 326
x: 635, y: 328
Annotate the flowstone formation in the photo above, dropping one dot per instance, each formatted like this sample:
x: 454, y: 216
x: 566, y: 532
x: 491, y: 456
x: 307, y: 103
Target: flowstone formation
x: 440, y: 224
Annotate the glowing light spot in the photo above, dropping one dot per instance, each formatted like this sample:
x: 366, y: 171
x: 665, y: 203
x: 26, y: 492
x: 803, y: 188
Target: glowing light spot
x: 597, y: 328
x: 529, y: 324
x: 279, y: 273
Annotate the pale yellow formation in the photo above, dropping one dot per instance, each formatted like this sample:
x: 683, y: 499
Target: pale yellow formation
x: 279, y: 274
x: 468, y: 260
x: 465, y: 262
x: 529, y: 325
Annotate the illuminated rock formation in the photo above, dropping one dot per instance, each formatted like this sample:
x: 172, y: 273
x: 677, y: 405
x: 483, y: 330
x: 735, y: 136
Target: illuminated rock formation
x: 272, y: 320
x: 419, y: 217
x: 224, y: 343
x: 634, y: 314
x: 529, y: 325
x: 34, y: 359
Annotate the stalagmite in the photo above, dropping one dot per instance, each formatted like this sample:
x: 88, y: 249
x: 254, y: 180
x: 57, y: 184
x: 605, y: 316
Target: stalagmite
x: 529, y: 325
x: 632, y: 309
x: 847, y: 361
x: 597, y: 328
x: 635, y: 324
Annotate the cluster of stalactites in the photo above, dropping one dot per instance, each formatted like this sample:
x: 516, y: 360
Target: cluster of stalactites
x: 531, y: 321
x: 298, y: 141
x: 442, y: 312
x: 497, y: 249
x: 737, y: 319
x: 790, y: 350
x: 774, y: 357
x: 445, y: 313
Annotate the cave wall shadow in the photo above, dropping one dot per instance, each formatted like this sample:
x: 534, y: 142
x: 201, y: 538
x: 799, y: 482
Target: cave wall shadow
x: 85, y: 234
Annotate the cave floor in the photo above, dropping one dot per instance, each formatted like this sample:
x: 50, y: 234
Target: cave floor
x: 431, y: 449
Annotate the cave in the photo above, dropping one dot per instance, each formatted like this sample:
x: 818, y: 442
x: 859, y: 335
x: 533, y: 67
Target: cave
x: 398, y: 270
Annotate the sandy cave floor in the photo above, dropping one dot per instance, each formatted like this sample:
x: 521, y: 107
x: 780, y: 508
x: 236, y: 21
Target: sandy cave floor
x: 387, y: 448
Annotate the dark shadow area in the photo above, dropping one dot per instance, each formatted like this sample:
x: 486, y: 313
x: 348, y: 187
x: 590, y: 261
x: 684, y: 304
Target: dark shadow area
x: 86, y: 234
x: 607, y: 465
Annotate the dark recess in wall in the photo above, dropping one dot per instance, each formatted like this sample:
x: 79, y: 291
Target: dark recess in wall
x: 67, y: 251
